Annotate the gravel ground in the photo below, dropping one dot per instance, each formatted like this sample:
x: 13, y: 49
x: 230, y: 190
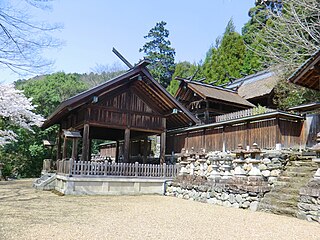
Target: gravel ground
x: 26, y: 213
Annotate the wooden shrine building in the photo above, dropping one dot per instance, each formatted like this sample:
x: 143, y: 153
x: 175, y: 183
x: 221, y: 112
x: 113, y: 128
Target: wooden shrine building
x: 257, y: 88
x: 206, y: 101
x: 130, y: 106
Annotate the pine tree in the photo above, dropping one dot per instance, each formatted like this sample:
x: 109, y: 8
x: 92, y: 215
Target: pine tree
x: 224, y: 60
x: 160, y: 53
x: 184, y: 69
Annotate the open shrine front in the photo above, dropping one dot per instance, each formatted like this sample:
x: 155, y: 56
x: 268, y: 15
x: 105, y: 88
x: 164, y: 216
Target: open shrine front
x: 127, y: 110
x: 128, y: 146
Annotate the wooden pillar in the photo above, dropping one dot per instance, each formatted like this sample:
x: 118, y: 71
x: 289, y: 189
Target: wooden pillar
x: 278, y: 132
x: 59, y: 156
x: 126, y: 150
x: 207, y: 112
x: 90, y: 149
x: 74, y: 148
x: 85, y: 143
x: 64, y: 148
x: 117, y: 151
x: 163, y: 142
x: 145, y: 150
x: 248, y: 134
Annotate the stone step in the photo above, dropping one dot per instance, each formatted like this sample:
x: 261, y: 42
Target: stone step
x: 287, y: 196
x: 277, y: 210
x: 306, y: 163
x: 300, y: 169
x: 281, y: 204
x: 296, y: 174
x: 286, y: 190
x: 289, y: 184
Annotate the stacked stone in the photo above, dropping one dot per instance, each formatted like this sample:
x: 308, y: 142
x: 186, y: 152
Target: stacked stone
x: 239, y: 180
x: 309, y: 201
x: 238, y: 193
x: 220, y: 165
x: 272, y: 165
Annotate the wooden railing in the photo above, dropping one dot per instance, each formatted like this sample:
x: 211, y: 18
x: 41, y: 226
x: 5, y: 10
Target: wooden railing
x: 92, y: 168
x: 241, y: 114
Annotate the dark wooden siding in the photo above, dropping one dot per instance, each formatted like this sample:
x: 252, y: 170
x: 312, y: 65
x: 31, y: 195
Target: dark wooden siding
x: 120, y: 111
x: 266, y: 133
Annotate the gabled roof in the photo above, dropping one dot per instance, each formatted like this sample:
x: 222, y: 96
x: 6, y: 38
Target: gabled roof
x: 207, y: 91
x: 255, y: 85
x: 308, y: 74
x: 146, y: 86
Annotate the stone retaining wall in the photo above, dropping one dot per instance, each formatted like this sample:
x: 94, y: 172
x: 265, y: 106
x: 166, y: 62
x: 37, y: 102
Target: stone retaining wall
x: 214, y: 178
x: 309, y: 202
x: 234, y: 192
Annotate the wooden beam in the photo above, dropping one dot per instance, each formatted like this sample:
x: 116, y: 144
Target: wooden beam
x: 64, y: 148
x: 163, y: 142
x: 86, y: 142
x: 59, y: 156
x: 278, y: 131
x: 117, y: 151
x: 74, y: 149
x: 247, y: 134
x: 126, y: 145
x: 145, y: 149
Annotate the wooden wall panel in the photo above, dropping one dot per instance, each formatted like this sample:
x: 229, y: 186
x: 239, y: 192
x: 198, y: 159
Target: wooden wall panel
x: 265, y: 133
x: 291, y: 133
x: 213, y: 139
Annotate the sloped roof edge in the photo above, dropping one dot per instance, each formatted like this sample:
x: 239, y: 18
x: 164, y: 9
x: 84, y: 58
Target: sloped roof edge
x: 66, y: 106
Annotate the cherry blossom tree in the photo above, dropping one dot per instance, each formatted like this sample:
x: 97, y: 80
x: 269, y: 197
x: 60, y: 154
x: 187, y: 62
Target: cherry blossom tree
x: 23, y: 38
x: 17, y: 110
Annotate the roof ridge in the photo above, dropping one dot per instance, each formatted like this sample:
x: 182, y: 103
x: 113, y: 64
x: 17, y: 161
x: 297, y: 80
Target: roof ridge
x: 211, y: 86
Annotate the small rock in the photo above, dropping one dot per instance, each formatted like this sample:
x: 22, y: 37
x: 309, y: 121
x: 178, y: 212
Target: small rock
x: 224, y: 196
x: 246, y: 204
x: 212, y: 200
x: 208, y: 195
x: 239, y: 198
x: 254, y: 205
x: 186, y: 196
x: 262, y: 167
x: 226, y: 204
x: 266, y: 161
x: 235, y: 205
x: 266, y: 173
x: 232, y: 198
x: 244, y: 195
x: 275, y: 173
x: 219, y: 202
x: 204, y: 195
x: 272, y: 179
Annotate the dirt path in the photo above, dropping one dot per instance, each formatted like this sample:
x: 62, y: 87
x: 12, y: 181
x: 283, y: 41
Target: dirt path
x: 29, y: 214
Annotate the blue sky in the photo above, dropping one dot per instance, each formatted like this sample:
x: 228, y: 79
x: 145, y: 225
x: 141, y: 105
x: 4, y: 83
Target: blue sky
x: 92, y: 28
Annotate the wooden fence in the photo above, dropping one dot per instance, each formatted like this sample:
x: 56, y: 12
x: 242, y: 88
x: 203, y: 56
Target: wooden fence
x: 92, y: 168
x: 241, y: 114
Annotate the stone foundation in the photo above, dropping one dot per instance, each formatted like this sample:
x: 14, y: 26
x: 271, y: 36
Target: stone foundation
x: 96, y: 185
x: 244, y: 192
x: 309, y: 202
